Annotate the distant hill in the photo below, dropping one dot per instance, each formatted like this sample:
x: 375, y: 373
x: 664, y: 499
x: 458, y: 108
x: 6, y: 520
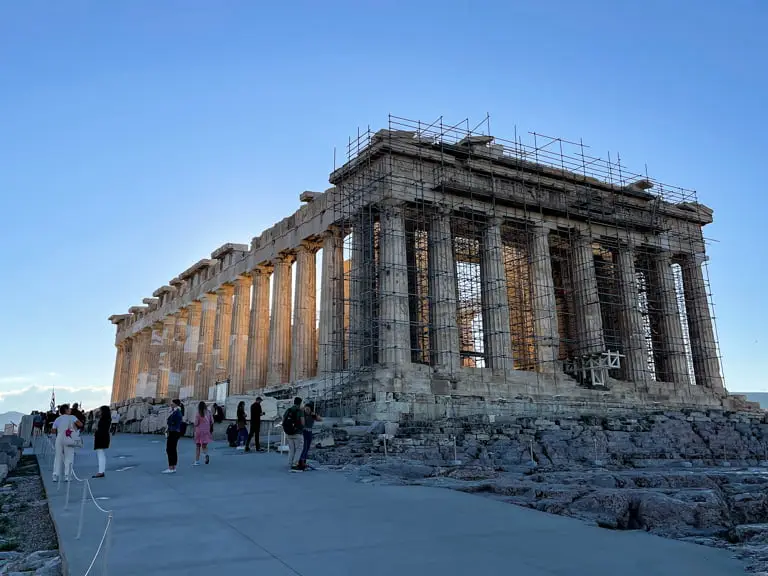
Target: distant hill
x: 761, y: 397
x: 7, y: 417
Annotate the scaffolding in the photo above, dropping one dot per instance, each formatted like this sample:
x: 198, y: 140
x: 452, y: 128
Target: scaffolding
x: 607, y: 229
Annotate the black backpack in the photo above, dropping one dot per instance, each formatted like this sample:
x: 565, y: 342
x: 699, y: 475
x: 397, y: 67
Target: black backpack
x: 291, y: 422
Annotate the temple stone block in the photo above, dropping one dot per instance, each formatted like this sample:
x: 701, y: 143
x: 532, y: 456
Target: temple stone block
x: 443, y: 313
x: 672, y: 356
x: 493, y: 279
x: 238, y: 339
x: 706, y: 361
x: 194, y: 312
x: 222, y: 332
x: 331, y: 329
x: 394, y: 318
x: 304, y: 335
x: 258, y: 329
x: 279, y: 370
x: 589, y: 322
x: 204, y: 366
x: 545, y: 325
x: 635, y: 366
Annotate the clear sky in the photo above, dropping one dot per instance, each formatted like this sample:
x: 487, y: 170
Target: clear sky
x: 136, y: 137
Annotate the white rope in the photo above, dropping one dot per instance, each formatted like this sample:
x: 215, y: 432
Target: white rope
x: 94, y: 499
x: 103, y: 538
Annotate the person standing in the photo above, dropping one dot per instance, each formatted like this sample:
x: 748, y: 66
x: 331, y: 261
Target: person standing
x: 293, y: 424
x: 310, y: 417
x: 38, y: 420
x: 203, y: 432
x: 242, y: 426
x: 115, y: 422
x: 77, y: 413
x: 67, y: 429
x: 101, y: 439
x: 256, y: 413
x: 174, y: 433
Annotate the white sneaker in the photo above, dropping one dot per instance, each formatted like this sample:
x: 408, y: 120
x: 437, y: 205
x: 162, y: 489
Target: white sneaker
x: 196, y: 463
x: 169, y: 471
x: 55, y: 478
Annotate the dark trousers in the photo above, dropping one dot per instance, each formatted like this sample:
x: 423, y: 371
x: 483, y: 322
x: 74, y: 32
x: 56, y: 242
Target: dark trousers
x: 171, y: 448
x: 307, y: 443
x: 255, y: 429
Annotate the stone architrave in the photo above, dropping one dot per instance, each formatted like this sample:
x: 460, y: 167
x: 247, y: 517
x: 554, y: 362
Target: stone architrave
x: 238, y: 338
x: 177, y: 353
x: 204, y: 367
x: 493, y: 279
x: 166, y: 351
x: 222, y: 329
x: 119, y: 359
x: 331, y: 329
x: 673, y: 357
x: 258, y: 329
x: 394, y: 310
x: 634, y: 344
x: 586, y: 298
x: 545, y: 325
x: 706, y: 361
x: 153, y: 359
x: 304, y: 333
x: 279, y: 370
x: 443, y: 311
x: 194, y: 312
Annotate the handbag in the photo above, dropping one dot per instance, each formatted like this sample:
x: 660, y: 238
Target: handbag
x: 72, y: 439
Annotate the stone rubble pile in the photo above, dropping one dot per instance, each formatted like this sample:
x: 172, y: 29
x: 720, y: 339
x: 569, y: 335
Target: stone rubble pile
x: 10, y: 453
x: 40, y: 563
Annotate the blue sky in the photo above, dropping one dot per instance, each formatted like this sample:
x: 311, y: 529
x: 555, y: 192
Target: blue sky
x: 139, y: 136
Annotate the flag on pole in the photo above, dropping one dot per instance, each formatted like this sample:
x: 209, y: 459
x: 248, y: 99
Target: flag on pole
x: 53, y: 400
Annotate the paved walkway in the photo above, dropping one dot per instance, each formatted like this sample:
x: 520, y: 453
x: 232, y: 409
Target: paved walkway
x: 246, y: 514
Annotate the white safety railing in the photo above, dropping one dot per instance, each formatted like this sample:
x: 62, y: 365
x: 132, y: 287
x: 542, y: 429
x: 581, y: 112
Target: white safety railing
x: 45, y: 451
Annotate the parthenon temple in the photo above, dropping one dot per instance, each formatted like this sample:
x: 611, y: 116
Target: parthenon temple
x: 446, y: 267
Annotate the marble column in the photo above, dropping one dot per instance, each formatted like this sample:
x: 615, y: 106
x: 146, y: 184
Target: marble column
x: 304, y: 334
x: 493, y: 278
x: 361, y: 294
x: 586, y: 299
x: 133, y: 368
x: 706, y: 363
x: 204, y: 366
x: 331, y: 329
x: 674, y: 362
x: 153, y: 370
x: 177, y: 353
x: 633, y: 341
x: 166, y: 351
x: 238, y: 337
x: 126, y: 370
x: 394, y: 310
x: 258, y: 329
x: 545, y: 325
x: 221, y: 331
x: 443, y: 312
x: 144, y: 338
x: 119, y: 359
x: 279, y: 370
x: 194, y: 312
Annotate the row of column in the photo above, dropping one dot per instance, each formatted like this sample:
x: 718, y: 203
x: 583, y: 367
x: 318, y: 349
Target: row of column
x: 232, y: 333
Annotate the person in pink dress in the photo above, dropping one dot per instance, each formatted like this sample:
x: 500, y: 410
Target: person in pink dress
x: 203, y: 432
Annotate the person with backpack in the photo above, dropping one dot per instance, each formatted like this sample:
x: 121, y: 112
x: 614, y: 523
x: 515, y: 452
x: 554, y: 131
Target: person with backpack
x: 310, y: 417
x: 242, y: 426
x: 67, y: 429
x: 293, y: 424
x: 203, y: 432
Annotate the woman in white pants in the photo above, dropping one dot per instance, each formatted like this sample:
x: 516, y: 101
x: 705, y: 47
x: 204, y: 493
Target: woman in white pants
x: 66, y: 427
x: 101, y: 439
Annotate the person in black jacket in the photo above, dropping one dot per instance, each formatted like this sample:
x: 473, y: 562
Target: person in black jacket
x: 101, y: 439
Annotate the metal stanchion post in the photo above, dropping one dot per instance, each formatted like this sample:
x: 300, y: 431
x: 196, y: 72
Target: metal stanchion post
x: 82, y: 511
x: 107, y: 546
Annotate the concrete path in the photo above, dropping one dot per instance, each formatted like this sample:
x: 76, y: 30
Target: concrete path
x: 246, y: 514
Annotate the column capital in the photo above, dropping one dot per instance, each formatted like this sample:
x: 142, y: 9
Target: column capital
x: 243, y: 279
x: 262, y: 270
x: 225, y: 289
x: 332, y: 231
x: 286, y: 257
x: 310, y: 246
x: 440, y: 209
x: 495, y: 221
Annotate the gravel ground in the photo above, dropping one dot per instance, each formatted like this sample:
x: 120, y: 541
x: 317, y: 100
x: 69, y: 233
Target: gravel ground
x: 28, y: 543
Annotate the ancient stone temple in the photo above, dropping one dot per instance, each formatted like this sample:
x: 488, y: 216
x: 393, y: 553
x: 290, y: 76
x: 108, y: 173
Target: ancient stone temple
x: 445, y: 271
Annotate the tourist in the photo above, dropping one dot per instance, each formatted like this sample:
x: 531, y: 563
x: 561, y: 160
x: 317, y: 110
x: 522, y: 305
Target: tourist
x: 293, y: 424
x: 256, y: 413
x: 77, y: 413
x: 173, y: 434
x: 89, y: 422
x: 203, y: 432
x: 67, y: 429
x: 310, y: 417
x: 101, y: 439
x: 38, y: 421
x: 115, y: 422
x: 218, y: 413
x: 242, y: 426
